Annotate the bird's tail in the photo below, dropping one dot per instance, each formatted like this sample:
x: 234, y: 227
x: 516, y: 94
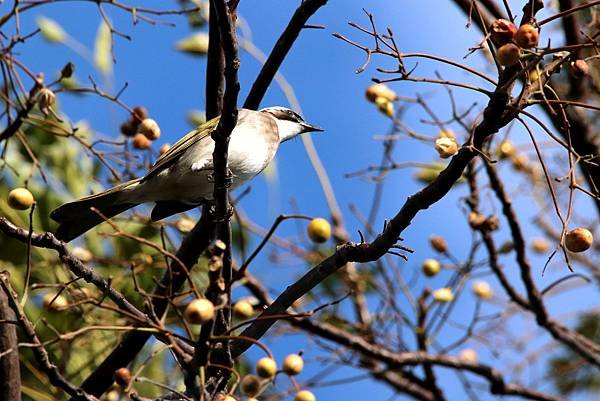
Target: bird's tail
x: 77, y: 217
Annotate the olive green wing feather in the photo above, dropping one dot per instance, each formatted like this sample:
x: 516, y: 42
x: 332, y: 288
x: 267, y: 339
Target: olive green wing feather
x: 174, y: 153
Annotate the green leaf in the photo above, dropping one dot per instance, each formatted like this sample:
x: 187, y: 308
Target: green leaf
x: 103, y: 49
x: 51, y: 30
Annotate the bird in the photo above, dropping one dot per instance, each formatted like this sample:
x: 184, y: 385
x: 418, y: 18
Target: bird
x: 181, y: 178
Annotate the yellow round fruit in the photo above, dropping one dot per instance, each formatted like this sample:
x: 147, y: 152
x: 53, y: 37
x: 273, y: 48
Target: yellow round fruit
x: 506, y: 149
x: 319, y: 230
x: 431, y: 267
x: 446, y: 147
x: 293, y: 364
x: 199, y: 311
x: 483, y: 290
x: 266, y: 367
x: 527, y: 36
x: 250, y: 385
x: 380, y: 91
x: 443, y: 295
x: 579, y: 239
x: 20, y: 199
x: 54, y: 303
x: 305, y: 395
x: 540, y: 245
x: 243, y: 309
x: 508, y: 54
x: 468, y: 355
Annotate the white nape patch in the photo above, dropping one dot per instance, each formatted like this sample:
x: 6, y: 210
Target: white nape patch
x: 199, y: 165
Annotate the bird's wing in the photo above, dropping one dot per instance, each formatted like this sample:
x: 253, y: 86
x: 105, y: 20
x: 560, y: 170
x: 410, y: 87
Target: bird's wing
x: 176, y: 151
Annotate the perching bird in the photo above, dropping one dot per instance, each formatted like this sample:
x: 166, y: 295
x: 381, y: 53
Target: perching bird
x: 181, y: 178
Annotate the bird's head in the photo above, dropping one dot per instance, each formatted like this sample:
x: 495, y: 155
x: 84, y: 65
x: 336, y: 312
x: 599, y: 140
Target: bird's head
x: 289, y: 123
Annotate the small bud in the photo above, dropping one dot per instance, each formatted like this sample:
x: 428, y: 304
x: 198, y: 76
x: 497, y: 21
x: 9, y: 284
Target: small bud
x: 443, y: 295
x: 266, y: 367
x: 141, y: 142
x: 540, y: 245
x: 46, y: 98
x: 431, y: 267
x: 506, y: 247
x: 508, y: 55
x: 243, y: 309
x: 380, y: 90
x: 468, y: 355
x: 483, y: 290
x: 250, y: 385
x: 67, y: 71
x: 446, y: 147
x: 150, y: 129
x: 199, y: 311
x: 579, y: 239
x: 122, y: 377
x: 20, y: 199
x: 579, y: 68
x: 305, y: 395
x: 319, y: 230
x: 293, y: 364
x: 438, y: 243
x: 502, y: 32
x: 527, y: 36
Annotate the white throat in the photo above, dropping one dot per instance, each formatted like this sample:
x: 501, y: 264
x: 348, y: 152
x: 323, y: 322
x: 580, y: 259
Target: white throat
x: 287, y: 129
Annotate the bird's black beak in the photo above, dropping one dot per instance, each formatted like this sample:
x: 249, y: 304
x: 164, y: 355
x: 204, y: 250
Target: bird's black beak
x: 306, y: 127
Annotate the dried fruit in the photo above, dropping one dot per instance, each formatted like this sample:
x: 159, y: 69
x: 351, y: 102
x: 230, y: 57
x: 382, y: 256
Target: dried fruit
x: 476, y: 220
x: 199, y: 311
x: 319, y: 230
x: 139, y: 114
x: 443, y: 295
x: 185, y: 225
x: 446, y: 147
x: 122, y: 376
x: 502, y: 31
x: 196, y: 44
x: 266, y: 367
x: 293, y: 364
x: 483, y: 290
x: 446, y: 133
x: 164, y: 149
x: 431, y: 267
x: 305, y: 395
x: 20, y: 199
x: 129, y: 128
x: 250, y: 385
x: 508, y: 55
x: 150, y: 129
x: 380, y: 90
x: 140, y: 142
x: 438, y: 243
x: 243, y: 309
x: 46, y: 98
x: 579, y: 239
x: 527, y: 36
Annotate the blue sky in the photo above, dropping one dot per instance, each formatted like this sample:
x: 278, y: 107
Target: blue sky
x: 321, y: 69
